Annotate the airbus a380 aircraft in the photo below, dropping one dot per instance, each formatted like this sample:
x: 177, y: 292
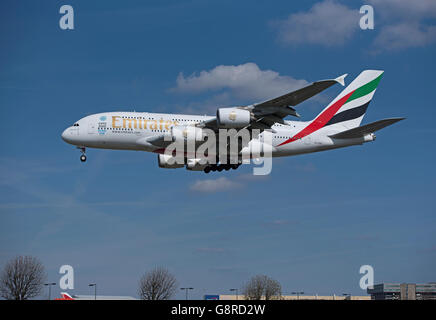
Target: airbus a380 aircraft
x: 337, y: 126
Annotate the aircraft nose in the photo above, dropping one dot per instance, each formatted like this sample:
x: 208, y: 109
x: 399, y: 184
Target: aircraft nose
x: 64, y: 135
x: 67, y: 135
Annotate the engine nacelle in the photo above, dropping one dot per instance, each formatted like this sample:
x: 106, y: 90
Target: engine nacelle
x: 195, y: 165
x: 186, y: 132
x: 168, y: 162
x: 232, y: 118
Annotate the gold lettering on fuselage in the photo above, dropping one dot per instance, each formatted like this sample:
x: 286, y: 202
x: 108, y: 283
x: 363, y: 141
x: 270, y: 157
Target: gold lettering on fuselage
x: 130, y: 123
x: 153, y: 125
x: 135, y: 123
x: 114, y: 121
x: 167, y: 124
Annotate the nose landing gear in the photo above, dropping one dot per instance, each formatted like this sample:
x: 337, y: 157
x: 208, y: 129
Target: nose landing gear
x: 83, y: 156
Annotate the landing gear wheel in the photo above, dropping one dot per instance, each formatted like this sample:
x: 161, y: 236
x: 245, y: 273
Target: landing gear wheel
x: 83, y: 156
x: 207, y: 170
x: 235, y: 166
x: 227, y: 167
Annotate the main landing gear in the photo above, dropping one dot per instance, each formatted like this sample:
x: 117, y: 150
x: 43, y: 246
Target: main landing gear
x: 83, y: 156
x: 221, y: 167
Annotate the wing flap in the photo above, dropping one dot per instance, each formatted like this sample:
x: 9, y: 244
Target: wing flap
x: 279, y: 111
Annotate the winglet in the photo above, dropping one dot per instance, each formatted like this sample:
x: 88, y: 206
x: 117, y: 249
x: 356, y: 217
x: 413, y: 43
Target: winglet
x: 341, y: 79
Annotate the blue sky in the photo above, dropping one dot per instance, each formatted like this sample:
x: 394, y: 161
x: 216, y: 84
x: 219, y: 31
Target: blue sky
x: 311, y: 224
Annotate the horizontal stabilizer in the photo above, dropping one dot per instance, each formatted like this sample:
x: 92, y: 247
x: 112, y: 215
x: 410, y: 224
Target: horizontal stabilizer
x: 366, y: 129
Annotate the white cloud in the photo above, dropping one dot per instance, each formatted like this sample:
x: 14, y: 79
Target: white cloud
x: 404, y: 35
x: 208, y: 105
x: 399, y: 24
x: 244, y: 81
x: 404, y: 24
x: 249, y: 177
x: 327, y: 23
x: 405, y: 9
x: 215, y: 185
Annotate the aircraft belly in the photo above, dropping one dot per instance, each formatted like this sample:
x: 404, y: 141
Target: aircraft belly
x: 116, y: 141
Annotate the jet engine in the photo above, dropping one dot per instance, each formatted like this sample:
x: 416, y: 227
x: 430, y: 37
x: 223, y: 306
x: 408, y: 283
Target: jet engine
x: 232, y: 118
x: 168, y: 162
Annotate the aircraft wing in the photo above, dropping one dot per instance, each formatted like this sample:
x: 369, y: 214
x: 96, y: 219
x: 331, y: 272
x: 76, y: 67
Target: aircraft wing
x: 365, y: 129
x: 210, y: 124
x: 266, y: 114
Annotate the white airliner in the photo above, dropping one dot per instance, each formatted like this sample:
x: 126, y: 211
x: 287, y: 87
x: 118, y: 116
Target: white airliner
x: 337, y: 126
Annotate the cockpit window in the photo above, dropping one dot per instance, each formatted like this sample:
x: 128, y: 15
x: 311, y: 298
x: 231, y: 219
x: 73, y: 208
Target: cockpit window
x: 75, y: 125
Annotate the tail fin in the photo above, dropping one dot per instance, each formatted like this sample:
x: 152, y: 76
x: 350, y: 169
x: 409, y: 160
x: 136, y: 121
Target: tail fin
x: 349, y: 107
x: 65, y: 296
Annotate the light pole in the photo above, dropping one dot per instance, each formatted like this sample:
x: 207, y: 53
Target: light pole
x: 95, y: 289
x: 298, y: 294
x: 186, y: 289
x: 236, y: 292
x: 49, y: 288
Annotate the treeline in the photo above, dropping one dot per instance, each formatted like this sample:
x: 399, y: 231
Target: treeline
x: 24, y: 277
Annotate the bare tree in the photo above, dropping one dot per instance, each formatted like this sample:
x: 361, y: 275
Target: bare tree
x: 262, y: 286
x: 273, y: 289
x: 253, y: 289
x: 158, y: 284
x: 22, y: 278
